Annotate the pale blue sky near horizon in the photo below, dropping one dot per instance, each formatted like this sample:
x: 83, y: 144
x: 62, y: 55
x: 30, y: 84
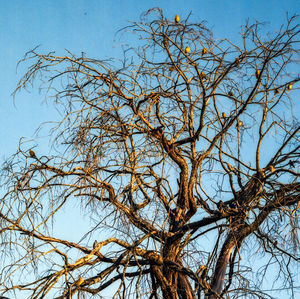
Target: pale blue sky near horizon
x: 90, y: 27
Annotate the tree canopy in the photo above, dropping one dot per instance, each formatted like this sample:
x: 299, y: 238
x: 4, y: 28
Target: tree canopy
x: 184, y: 156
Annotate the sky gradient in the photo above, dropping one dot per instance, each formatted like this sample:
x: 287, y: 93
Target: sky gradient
x: 90, y: 27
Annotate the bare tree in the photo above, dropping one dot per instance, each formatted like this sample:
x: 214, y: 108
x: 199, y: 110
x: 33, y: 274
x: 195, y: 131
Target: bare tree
x: 184, y: 157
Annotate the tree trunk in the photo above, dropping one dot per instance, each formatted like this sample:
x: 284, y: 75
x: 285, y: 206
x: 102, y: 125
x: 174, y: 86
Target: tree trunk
x: 178, y: 286
x: 184, y: 288
x: 219, y: 276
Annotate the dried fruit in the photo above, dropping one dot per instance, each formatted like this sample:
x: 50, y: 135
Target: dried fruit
x: 257, y: 73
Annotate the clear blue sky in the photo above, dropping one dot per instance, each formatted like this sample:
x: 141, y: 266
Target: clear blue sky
x: 90, y: 26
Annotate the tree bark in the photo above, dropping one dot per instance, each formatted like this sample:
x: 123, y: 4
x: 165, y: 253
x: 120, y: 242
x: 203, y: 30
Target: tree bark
x: 184, y: 287
x: 219, y: 276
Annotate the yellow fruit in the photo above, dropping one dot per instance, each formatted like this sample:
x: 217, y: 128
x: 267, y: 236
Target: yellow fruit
x: 230, y: 167
x: 237, y: 61
x: 223, y: 114
x: 177, y: 19
x: 204, y: 51
x: 290, y: 86
x: 262, y: 173
x: 77, y: 168
x: 187, y: 49
x: 239, y: 124
x: 202, y: 75
x: 272, y: 168
x: 257, y: 73
x: 80, y: 281
x: 32, y: 153
x: 171, y: 68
